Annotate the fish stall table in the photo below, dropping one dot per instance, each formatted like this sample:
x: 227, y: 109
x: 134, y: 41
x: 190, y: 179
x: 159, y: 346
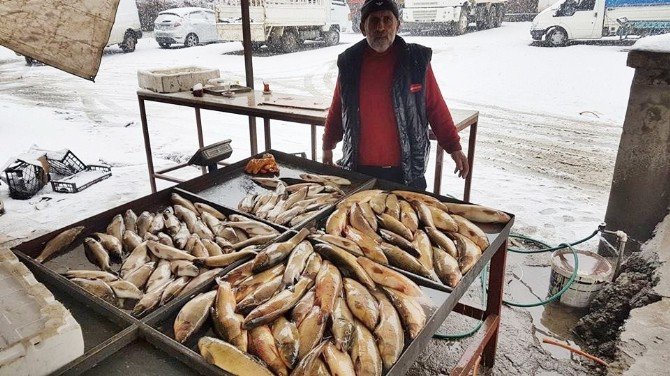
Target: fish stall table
x: 291, y: 108
x: 118, y: 343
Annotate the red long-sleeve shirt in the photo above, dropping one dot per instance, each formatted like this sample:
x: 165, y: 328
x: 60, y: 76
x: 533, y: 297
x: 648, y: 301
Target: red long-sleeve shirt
x: 379, y: 143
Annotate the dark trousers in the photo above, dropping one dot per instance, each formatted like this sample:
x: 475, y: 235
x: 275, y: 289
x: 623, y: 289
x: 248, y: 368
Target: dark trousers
x: 393, y: 174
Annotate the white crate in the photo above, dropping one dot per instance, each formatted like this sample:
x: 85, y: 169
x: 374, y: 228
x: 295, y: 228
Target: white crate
x: 37, y: 333
x: 172, y: 80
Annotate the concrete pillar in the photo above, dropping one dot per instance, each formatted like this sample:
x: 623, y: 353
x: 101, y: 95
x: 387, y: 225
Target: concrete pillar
x: 640, y: 194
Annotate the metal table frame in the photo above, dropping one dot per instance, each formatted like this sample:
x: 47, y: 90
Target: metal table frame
x: 248, y: 104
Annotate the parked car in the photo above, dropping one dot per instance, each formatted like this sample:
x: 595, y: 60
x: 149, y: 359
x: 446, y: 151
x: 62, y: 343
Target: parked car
x: 125, y: 31
x: 188, y: 26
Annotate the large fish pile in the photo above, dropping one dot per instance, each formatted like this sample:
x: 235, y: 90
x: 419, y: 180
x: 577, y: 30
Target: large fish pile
x: 412, y: 231
x: 305, y: 307
x: 161, y: 255
x: 293, y: 204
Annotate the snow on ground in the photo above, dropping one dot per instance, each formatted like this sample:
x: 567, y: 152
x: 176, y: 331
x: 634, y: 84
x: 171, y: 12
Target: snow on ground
x: 550, y: 121
x: 654, y: 43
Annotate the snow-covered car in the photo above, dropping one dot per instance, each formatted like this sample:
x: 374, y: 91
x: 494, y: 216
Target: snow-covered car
x: 188, y: 26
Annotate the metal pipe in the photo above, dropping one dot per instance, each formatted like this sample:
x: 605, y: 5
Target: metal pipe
x: 623, y: 239
x: 246, y: 43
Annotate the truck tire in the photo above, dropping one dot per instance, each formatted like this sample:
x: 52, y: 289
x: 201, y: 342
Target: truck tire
x: 557, y: 37
x: 501, y: 14
x: 331, y: 37
x: 191, y: 40
x: 492, y: 19
x: 483, y: 19
x: 289, y: 42
x: 129, y: 42
x: 164, y: 45
x: 461, y: 27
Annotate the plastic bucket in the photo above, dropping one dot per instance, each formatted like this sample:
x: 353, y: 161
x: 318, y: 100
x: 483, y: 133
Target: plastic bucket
x: 594, y: 270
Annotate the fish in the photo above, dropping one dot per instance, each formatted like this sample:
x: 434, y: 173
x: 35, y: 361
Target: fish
x: 212, y: 248
x: 140, y: 276
x: 160, y: 276
x: 226, y: 323
x: 262, y: 344
x: 256, y: 240
x: 337, y: 221
x: 364, y: 353
x: 173, y: 289
x: 130, y: 220
x: 442, y: 220
x: 286, y: 338
x: 328, y: 286
x: 97, y: 287
x: 199, y: 280
x: 477, y: 213
x: 254, y: 281
x: 378, y: 202
x: 296, y: 197
x: 399, y: 241
x: 91, y: 274
x: 285, y: 217
x: 157, y: 225
x: 303, y: 307
x: 468, y: 252
x: 237, y: 275
x: 181, y: 237
x: 423, y: 245
x: 424, y: 213
x: 388, y: 333
x: 441, y: 240
x: 202, y: 208
x: 411, y: 313
x: 390, y: 223
x: 125, y: 290
x: 187, y: 216
x: 197, y: 249
x: 361, y: 303
x: 390, y: 278
x: 312, y: 266
x: 368, y: 214
x: 137, y: 258
x: 471, y: 231
x: 163, y: 251
x: 358, y: 221
x: 201, y: 229
x: 344, y: 243
x: 392, y: 206
x: 277, y: 305
x: 346, y: 262
x: 306, y: 367
x: 59, y: 243
x: 164, y: 238
x: 277, y: 252
x: 150, y: 300
x: 408, y: 216
x: 368, y: 246
x: 266, y: 182
x: 298, y: 219
x: 338, y: 362
x: 253, y: 228
x: 403, y: 260
x: 260, y: 295
x: 96, y: 254
x: 416, y: 196
x: 310, y: 331
x: 241, y: 341
x: 360, y: 197
x: 230, y: 359
x: 296, y: 262
x: 191, y: 317
x: 131, y: 240
x: 171, y: 222
x: 223, y: 260
x: 343, y: 325
x: 325, y: 179
x: 176, y: 199
x: 446, y: 267
x: 211, y: 221
x: 116, y: 228
x: 143, y: 223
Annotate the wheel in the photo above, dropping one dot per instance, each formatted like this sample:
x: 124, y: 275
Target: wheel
x: 129, y: 42
x: 462, y: 25
x: 164, y: 45
x: 501, y: 15
x: 191, y: 40
x: 331, y: 37
x: 483, y: 20
x: 289, y: 42
x: 557, y: 37
x: 492, y: 17
x: 256, y: 46
x: 30, y: 61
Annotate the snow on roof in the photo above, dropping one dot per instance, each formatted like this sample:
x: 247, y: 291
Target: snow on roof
x: 655, y: 43
x: 185, y: 10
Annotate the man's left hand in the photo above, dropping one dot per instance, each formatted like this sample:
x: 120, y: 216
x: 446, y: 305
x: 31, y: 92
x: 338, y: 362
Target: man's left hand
x: 462, y: 166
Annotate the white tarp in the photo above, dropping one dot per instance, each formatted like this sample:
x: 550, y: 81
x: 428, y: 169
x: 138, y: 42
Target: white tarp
x: 66, y: 34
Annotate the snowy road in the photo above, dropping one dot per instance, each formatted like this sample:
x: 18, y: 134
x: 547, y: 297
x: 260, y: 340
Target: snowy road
x: 549, y: 125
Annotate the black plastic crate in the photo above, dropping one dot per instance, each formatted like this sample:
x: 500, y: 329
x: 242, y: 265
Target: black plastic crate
x: 24, y: 179
x: 69, y: 183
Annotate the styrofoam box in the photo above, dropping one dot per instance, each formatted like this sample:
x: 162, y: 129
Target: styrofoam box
x: 172, y: 80
x: 37, y: 333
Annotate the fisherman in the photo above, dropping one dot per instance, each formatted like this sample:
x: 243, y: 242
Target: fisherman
x: 384, y: 99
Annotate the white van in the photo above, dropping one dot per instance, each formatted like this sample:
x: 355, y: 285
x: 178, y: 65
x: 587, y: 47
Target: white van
x: 125, y: 31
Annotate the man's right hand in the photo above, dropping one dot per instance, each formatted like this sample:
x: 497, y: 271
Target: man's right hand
x: 328, y: 157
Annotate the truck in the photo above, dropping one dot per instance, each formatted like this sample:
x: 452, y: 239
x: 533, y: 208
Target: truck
x: 282, y: 25
x: 452, y: 16
x: 569, y: 20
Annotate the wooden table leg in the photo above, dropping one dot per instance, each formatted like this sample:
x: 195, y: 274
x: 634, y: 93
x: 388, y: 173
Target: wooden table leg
x: 439, y: 156
x: 253, y: 137
x: 266, y: 131
x: 201, y: 140
x: 494, y: 300
x: 471, y: 161
x: 147, y: 146
x: 313, y: 142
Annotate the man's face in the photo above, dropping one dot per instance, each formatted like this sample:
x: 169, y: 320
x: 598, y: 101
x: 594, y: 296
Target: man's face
x: 380, y: 29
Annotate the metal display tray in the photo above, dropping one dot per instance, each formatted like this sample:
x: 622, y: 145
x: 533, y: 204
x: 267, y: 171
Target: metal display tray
x: 229, y: 185
x: 496, y: 233
x: 74, y: 257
